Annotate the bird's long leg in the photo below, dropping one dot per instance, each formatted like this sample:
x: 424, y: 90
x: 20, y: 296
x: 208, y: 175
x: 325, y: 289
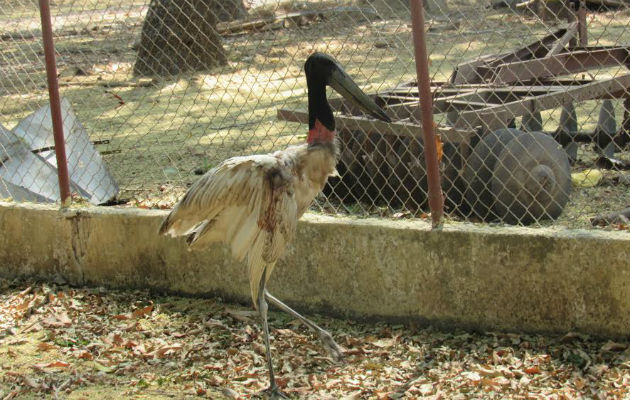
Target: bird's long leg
x: 274, y: 390
x: 328, y: 342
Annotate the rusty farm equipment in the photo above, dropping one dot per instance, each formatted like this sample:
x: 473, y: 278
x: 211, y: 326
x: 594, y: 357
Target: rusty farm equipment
x: 490, y: 169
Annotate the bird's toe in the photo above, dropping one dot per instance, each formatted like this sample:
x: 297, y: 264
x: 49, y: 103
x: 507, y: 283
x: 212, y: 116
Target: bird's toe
x: 332, y: 348
x: 274, y: 393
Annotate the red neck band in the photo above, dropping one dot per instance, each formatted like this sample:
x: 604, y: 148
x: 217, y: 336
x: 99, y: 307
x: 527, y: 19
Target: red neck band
x: 320, y: 134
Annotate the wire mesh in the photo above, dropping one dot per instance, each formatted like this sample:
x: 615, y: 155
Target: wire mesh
x: 167, y: 89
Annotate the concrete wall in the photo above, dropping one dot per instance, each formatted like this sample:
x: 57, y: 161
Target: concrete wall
x: 514, y: 279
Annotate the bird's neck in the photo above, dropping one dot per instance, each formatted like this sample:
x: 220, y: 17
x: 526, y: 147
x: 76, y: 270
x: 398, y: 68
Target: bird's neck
x: 320, y: 134
x: 321, y: 122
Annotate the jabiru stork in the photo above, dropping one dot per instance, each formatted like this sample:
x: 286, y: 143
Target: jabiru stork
x: 252, y: 203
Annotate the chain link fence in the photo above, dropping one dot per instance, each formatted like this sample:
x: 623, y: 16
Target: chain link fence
x: 531, y: 106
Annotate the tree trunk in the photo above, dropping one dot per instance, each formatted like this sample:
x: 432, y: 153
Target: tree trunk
x: 179, y: 36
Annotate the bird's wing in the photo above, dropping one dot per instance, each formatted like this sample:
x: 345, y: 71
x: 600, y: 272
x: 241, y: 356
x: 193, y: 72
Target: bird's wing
x: 264, y: 202
x: 247, y: 202
x: 236, y: 182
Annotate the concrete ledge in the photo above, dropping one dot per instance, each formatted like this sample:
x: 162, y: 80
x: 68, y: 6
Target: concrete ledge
x: 514, y: 279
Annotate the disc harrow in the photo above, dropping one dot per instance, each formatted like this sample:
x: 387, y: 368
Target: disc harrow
x: 489, y: 169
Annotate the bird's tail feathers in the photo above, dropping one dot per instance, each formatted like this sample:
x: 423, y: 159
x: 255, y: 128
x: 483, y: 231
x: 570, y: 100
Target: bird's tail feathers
x: 174, y: 225
x: 196, y: 233
x: 166, y: 225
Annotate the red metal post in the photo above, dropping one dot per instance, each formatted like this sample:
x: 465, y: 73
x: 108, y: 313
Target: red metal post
x: 436, y: 201
x: 55, y: 104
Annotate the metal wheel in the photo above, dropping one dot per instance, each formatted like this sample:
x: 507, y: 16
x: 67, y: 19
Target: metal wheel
x: 531, y: 179
x: 478, y: 197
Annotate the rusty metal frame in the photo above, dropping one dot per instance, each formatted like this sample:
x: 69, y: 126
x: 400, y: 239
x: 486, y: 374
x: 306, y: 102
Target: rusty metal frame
x: 553, y: 55
x: 395, y: 128
x: 475, y: 71
x: 496, y: 116
x: 575, y: 60
x: 476, y: 106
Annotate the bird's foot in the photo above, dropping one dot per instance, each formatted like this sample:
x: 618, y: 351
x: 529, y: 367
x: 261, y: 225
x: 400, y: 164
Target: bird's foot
x: 273, y: 392
x: 332, y: 348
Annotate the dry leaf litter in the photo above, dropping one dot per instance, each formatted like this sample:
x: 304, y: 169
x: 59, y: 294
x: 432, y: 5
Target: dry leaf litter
x: 64, y: 342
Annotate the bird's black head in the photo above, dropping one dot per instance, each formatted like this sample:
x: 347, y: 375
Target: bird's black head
x: 321, y: 70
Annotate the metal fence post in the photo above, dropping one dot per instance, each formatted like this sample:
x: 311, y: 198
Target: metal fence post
x: 581, y: 17
x: 55, y: 104
x: 436, y: 201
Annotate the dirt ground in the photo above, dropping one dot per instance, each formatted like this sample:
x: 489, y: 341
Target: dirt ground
x: 80, y: 343
x: 161, y: 131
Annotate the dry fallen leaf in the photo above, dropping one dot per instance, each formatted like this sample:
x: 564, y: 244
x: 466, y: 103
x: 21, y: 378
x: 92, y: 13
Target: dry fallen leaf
x: 214, y: 323
x: 31, y: 382
x: 100, y: 367
x: 524, y: 381
x: 24, y: 292
x: 85, y: 355
x: 60, y: 320
x: 214, y: 367
x: 44, y: 346
x: 532, y: 370
x: 135, y: 314
x: 352, y: 396
x: 384, y: 343
x: 426, y: 389
x: 168, y: 350
x: 242, y: 315
x: 215, y: 380
x: 614, y: 346
x: 439, y: 147
x: 229, y: 393
x: 142, y: 311
x: 489, y: 371
x: 571, y: 337
x: 579, y: 383
x: 54, y: 364
x: 474, y: 377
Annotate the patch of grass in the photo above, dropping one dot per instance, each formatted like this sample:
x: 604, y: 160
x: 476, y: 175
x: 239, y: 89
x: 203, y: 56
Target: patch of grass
x: 161, y: 133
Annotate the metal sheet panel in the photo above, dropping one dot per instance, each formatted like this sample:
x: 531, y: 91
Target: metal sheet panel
x: 24, y: 175
x: 87, y: 169
x: 18, y: 193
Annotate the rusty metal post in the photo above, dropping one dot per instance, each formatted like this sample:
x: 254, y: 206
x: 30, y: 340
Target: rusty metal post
x: 55, y: 104
x: 436, y: 201
x: 581, y: 17
x: 572, y: 16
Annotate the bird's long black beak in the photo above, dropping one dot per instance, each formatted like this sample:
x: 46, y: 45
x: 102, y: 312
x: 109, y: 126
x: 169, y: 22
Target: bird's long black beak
x: 345, y: 86
x: 321, y: 70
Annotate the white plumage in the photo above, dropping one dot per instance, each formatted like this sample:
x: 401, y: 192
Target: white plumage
x: 252, y: 204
